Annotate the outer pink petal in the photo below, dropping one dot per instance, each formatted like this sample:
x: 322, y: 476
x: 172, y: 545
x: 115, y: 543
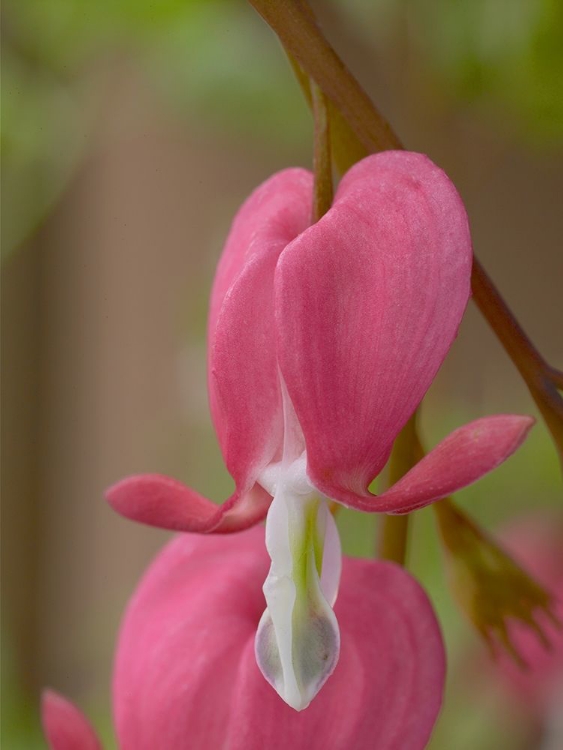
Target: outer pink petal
x: 64, y: 725
x: 186, y: 675
x: 160, y: 501
x: 181, y: 641
x: 244, y: 389
x: 368, y: 302
x: 459, y: 460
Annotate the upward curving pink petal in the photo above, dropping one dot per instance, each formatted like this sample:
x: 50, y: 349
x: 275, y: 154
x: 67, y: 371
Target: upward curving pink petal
x: 163, y: 502
x: 64, y: 725
x: 186, y: 676
x: 460, y: 459
x: 368, y: 301
x: 243, y: 380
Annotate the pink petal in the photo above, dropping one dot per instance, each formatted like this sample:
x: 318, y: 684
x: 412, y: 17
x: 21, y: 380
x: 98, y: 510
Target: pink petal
x: 64, y: 725
x: 243, y: 380
x: 459, y: 460
x: 182, y: 638
x: 160, y: 501
x: 186, y: 674
x: 368, y: 302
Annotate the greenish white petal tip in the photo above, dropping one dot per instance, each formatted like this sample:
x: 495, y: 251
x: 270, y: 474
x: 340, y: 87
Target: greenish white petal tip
x: 298, y: 640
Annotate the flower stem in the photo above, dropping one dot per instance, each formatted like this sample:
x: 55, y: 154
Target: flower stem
x: 358, y: 129
x: 345, y: 147
x: 296, y: 27
x: 393, y: 537
x: 322, y: 165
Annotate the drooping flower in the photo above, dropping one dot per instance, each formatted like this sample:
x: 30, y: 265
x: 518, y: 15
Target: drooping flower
x: 186, y: 678
x: 323, y: 340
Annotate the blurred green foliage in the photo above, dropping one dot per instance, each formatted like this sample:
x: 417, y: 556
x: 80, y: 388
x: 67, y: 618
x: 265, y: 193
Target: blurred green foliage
x: 20, y: 729
x: 504, y: 55
x: 202, y: 56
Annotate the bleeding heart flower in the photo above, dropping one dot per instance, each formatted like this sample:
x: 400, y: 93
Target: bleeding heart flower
x: 186, y: 678
x: 323, y: 340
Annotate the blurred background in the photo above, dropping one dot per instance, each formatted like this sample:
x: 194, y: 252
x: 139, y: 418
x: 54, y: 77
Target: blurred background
x: 131, y: 132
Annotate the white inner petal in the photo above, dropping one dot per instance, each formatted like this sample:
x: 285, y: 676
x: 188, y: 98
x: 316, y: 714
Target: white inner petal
x: 298, y: 641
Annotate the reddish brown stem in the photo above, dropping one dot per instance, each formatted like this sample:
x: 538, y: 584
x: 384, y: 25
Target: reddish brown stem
x: 556, y: 376
x: 542, y: 379
x: 293, y: 22
x: 393, y: 537
x: 516, y: 343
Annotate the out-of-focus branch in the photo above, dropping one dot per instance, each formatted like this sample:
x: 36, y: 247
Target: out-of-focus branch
x: 359, y: 128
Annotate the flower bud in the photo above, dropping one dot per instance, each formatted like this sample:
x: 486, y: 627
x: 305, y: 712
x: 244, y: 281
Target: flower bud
x: 489, y: 585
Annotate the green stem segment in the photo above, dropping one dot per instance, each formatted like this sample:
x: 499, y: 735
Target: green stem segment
x: 345, y: 147
x: 393, y: 539
x: 295, y: 25
x: 359, y: 128
x: 394, y: 529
